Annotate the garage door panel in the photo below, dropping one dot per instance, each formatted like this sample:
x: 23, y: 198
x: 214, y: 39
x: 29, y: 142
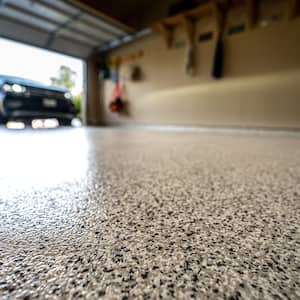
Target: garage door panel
x: 67, y: 46
x: 39, y: 10
x: 103, y: 25
x: 61, y: 6
x: 80, y: 38
x: 98, y: 34
x: 19, y: 17
x: 57, y: 25
x: 19, y: 32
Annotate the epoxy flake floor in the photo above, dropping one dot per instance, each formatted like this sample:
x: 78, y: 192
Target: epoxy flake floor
x: 135, y: 214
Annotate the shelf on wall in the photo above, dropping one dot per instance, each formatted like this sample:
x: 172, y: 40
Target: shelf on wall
x: 218, y: 10
x: 166, y: 26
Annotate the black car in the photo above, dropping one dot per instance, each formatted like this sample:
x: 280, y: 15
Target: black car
x: 26, y: 100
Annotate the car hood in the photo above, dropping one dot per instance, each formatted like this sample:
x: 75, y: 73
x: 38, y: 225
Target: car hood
x: 29, y: 83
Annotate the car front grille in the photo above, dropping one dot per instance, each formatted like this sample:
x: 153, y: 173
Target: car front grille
x: 36, y: 103
x: 36, y: 92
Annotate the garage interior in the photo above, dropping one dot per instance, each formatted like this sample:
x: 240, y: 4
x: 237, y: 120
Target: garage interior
x: 184, y: 182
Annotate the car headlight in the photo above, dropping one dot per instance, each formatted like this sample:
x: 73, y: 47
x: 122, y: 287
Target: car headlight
x: 7, y: 88
x: 18, y: 88
x: 68, y: 95
x: 14, y: 88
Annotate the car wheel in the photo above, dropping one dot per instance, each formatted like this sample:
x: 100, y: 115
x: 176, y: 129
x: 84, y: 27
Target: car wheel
x: 3, y: 120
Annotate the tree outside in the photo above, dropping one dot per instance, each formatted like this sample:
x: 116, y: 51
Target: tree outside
x: 66, y: 79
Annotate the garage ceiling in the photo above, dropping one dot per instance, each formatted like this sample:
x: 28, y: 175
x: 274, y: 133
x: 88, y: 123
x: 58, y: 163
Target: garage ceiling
x: 137, y: 14
x: 58, y: 25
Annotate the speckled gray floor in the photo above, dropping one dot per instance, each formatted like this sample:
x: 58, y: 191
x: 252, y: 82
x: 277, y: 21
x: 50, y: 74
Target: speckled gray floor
x: 133, y: 214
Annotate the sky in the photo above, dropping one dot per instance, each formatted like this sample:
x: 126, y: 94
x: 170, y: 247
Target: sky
x: 33, y: 63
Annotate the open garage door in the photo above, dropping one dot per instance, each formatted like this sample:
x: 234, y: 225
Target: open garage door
x: 57, y: 25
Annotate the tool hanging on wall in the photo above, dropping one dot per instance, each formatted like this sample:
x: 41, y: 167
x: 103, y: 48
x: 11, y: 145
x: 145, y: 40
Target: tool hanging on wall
x: 116, y: 104
x: 190, y: 55
x: 115, y: 62
x: 217, y: 71
x: 189, y: 60
x: 114, y: 66
x: 132, y: 73
x: 104, y: 71
x: 218, y: 61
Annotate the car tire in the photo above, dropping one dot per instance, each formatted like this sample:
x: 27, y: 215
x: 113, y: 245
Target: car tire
x: 3, y: 120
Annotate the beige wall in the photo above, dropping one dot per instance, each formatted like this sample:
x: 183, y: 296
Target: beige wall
x: 260, y: 88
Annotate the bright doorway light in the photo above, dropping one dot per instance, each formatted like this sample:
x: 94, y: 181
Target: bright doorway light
x: 44, y: 66
x: 15, y: 125
x: 46, y: 124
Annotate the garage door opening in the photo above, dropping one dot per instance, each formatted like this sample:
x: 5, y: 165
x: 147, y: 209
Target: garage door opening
x: 39, y: 88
